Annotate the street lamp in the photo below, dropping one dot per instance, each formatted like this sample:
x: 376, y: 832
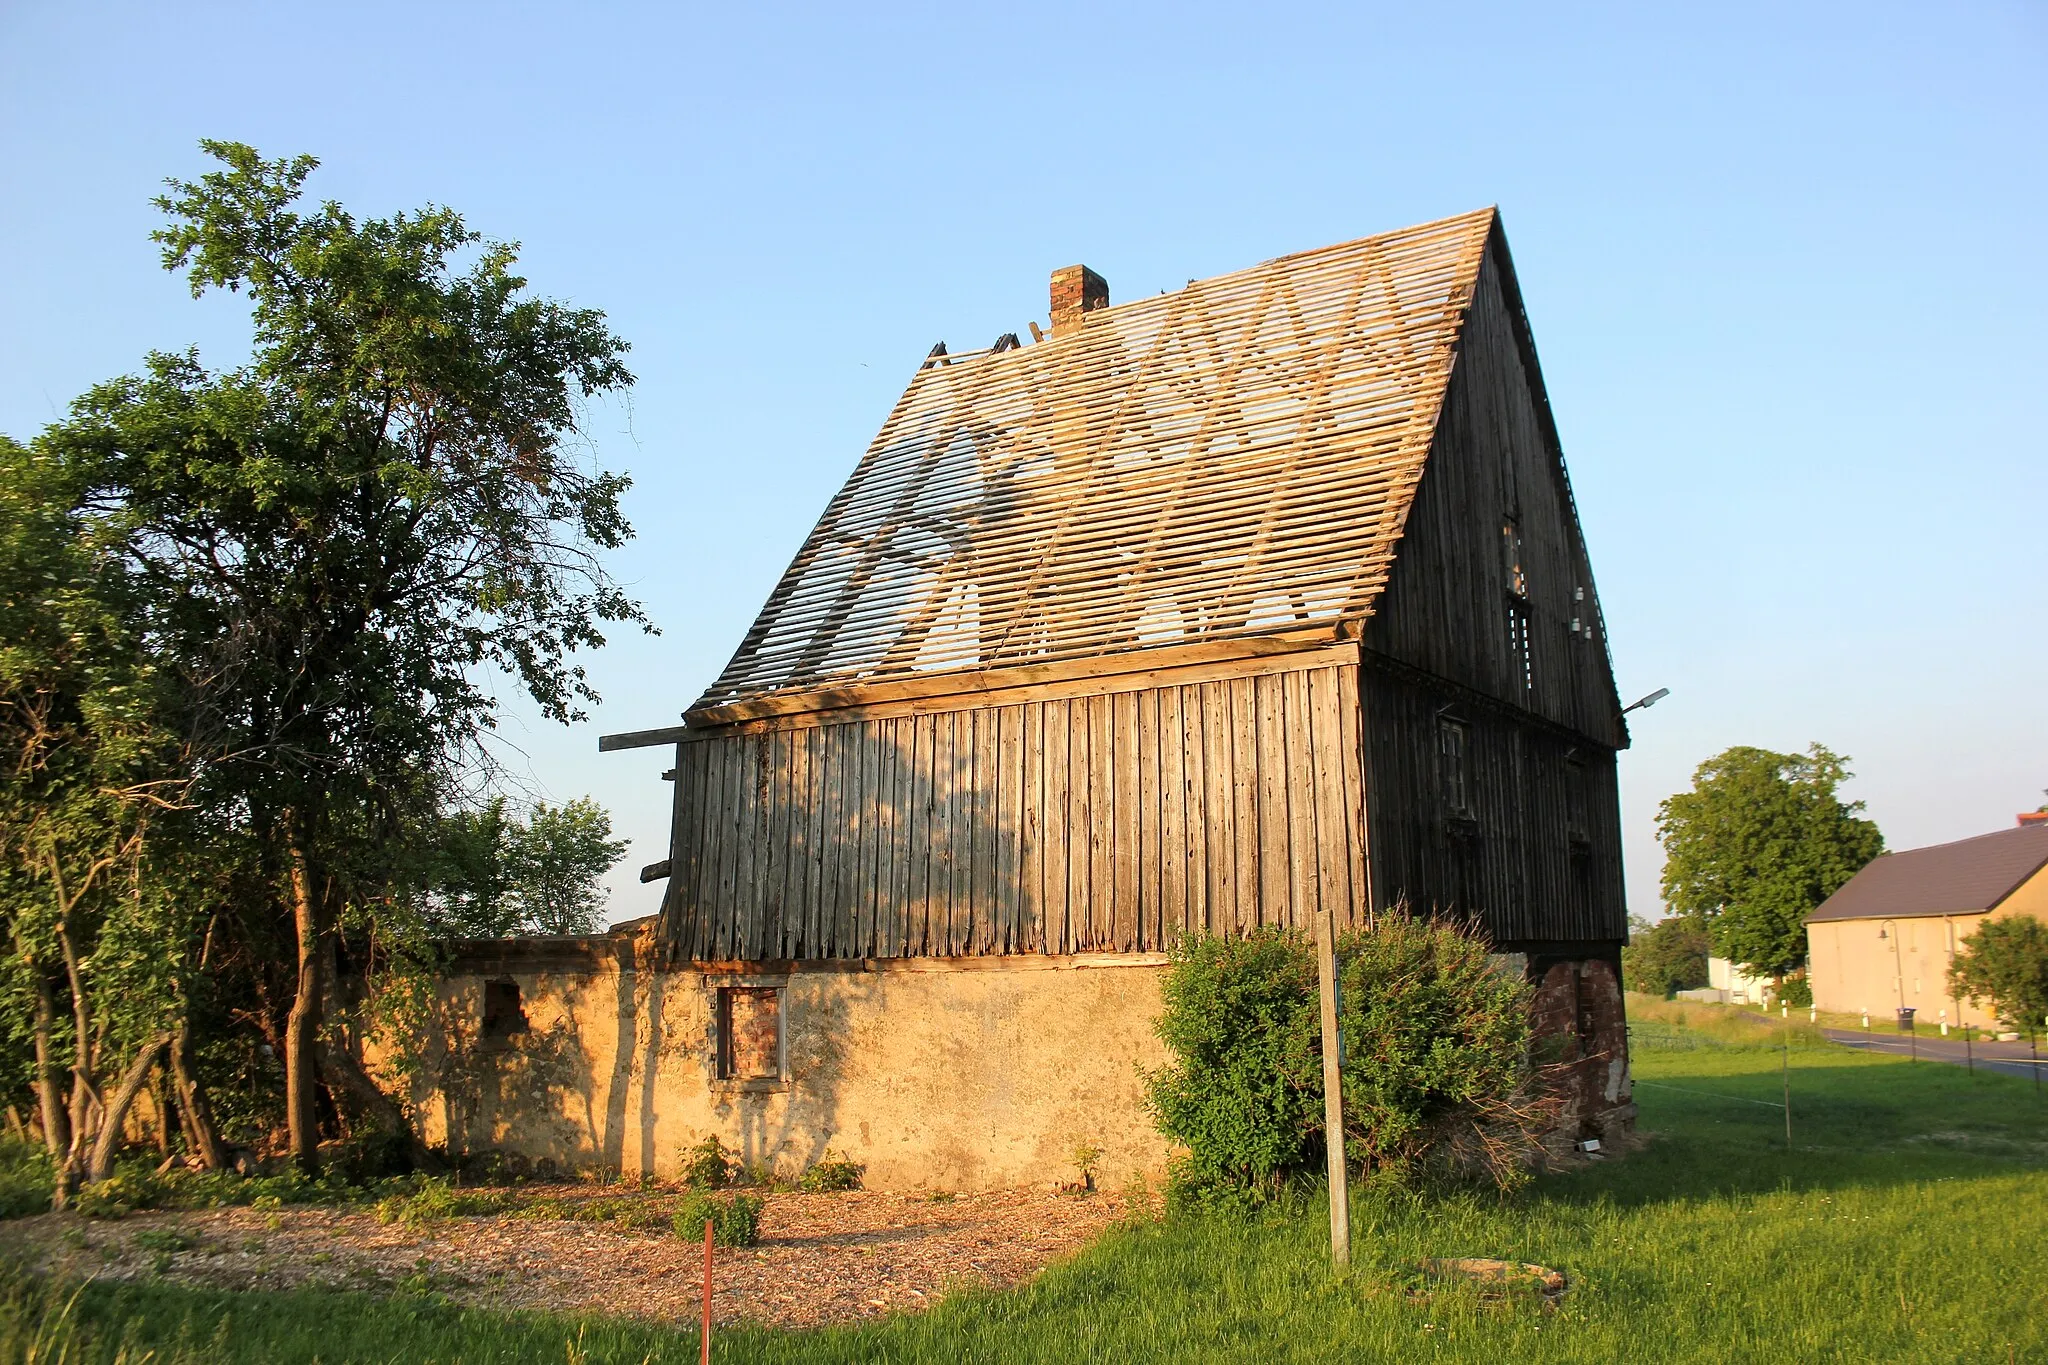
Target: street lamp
x: 1647, y: 702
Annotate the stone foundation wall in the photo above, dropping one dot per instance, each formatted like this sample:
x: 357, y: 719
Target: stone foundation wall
x: 955, y: 1074
x: 958, y: 1075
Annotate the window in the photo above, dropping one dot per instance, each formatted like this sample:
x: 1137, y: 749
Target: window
x: 1576, y: 828
x: 749, y: 1033
x: 1454, y: 763
x: 504, y: 1015
x: 1521, y: 671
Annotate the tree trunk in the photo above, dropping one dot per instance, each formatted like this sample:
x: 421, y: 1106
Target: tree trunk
x: 346, y: 1070
x: 302, y: 1026
x: 49, y: 1088
x: 116, y: 1117
x: 202, y: 1137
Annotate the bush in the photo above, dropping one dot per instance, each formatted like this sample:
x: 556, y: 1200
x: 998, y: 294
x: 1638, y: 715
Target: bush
x: 1796, y: 991
x: 1244, y: 1091
x: 26, y: 1179
x: 2006, y: 963
x: 710, y: 1165
x: 735, y: 1218
x: 833, y: 1174
x: 1666, y: 957
x: 1438, y: 1077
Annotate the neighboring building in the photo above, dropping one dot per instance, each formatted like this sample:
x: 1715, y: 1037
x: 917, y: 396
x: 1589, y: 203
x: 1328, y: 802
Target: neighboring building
x: 1886, y: 939
x: 1728, y: 984
x: 1208, y: 611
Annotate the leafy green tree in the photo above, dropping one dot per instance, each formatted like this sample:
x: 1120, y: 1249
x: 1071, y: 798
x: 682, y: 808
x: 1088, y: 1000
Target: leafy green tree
x: 559, y: 858
x: 88, y: 764
x: 1757, y: 844
x: 492, y: 874
x: 351, y: 533
x: 1668, y: 956
x: 2006, y: 963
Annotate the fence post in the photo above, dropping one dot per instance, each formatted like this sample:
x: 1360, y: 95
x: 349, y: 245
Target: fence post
x: 1333, y: 1089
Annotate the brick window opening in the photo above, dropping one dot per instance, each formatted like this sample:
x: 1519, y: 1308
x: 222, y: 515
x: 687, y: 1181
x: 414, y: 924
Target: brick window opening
x: 749, y: 1033
x: 504, y: 1015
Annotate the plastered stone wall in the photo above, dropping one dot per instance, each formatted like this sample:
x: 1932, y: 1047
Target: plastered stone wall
x: 932, y: 1074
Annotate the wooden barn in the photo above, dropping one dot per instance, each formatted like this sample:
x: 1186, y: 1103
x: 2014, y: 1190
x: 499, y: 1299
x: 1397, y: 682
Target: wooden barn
x: 1194, y: 613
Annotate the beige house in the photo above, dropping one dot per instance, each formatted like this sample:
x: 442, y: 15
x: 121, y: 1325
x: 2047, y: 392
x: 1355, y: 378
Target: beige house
x: 1886, y: 939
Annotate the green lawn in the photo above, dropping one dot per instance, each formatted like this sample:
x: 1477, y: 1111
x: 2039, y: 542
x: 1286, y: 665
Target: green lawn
x: 1909, y: 1222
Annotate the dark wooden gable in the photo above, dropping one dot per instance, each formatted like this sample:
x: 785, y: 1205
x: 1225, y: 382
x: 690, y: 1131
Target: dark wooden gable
x: 1451, y: 608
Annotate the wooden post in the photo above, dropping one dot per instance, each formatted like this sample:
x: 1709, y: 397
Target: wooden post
x: 1333, y: 1089
x: 705, y: 1337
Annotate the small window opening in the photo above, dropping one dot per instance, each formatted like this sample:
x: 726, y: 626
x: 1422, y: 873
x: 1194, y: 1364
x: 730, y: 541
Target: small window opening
x: 1454, y: 762
x: 504, y: 1015
x: 749, y: 1033
x: 1511, y: 558
x: 1576, y: 826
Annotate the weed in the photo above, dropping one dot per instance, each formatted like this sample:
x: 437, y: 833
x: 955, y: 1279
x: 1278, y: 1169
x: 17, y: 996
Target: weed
x: 735, y: 1218
x: 709, y: 1165
x: 833, y: 1174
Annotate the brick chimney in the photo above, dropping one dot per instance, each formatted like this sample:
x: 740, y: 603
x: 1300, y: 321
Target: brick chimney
x: 1075, y: 290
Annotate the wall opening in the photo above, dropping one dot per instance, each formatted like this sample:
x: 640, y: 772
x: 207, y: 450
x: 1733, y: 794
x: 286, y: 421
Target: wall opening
x: 749, y: 1033
x: 504, y: 1013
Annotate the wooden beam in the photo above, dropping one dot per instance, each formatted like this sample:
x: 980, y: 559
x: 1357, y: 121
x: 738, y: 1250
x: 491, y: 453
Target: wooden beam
x: 640, y: 739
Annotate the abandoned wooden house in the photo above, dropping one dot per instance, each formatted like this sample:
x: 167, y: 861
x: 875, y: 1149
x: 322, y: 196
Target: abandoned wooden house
x: 1200, y: 612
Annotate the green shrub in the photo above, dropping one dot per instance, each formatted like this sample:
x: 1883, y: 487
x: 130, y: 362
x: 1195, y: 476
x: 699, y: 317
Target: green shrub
x: 1796, y: 991
x: 833, y: 1174
x: 1243, y: 1093
x: 26, y: 1179
x: 710, y: 1164
x: 735, y: 1218
x: 437, y: 1200
x: 119, y: 1195
x: 1438, y: 1076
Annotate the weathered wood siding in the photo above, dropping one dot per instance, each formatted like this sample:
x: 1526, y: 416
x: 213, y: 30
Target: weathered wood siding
x: 1102, y: 823
x: 1536, y: 856
x: 1495, y: 457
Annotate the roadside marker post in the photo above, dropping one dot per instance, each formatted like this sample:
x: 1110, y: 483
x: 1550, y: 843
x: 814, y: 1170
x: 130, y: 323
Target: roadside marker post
x: 705, y: 1335
x: 1333, y: 1090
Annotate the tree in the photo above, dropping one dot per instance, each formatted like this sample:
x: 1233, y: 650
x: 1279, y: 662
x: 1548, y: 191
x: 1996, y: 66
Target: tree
x: 351, y: 532
x: 1668, y: 956
x: 559, y: 858
x: 2006, y: 963
x: 1757, y: 844
x: 493, y: 875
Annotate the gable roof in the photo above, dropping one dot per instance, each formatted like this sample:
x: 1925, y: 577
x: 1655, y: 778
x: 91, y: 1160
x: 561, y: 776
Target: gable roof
x: 1232, y: 460
x: 1961, y: 878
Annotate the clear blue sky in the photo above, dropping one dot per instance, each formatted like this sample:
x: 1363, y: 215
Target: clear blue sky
x: 1783, y: 263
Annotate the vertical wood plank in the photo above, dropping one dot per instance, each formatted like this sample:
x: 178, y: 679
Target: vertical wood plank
x: 1059, y: 822
x: 987, y: 789
x: 1126, y: 854
x: 1364, y: 895
x: 1244, y: 785
x: 886, y: 916
x: 917, y: 936
x: 1299, y: 781
x: 1332, y: 857
x: 1219, y: 812
x: 1275, y: 851
x: 1173, y: 834
x: 1149, y: 804
x: 1032, y: 902
x: 1010, y: 825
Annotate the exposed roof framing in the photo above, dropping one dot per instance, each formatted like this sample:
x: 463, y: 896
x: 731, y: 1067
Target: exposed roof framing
x: 1235, y: 459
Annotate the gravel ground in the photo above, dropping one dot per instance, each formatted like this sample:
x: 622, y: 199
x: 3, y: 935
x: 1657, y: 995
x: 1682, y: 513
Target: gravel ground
x: 822, y: 1258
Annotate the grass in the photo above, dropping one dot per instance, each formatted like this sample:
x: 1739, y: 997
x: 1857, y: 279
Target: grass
x: 1908, y: 1222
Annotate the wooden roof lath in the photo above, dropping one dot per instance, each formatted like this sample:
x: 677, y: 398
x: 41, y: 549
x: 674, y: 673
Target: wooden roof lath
x: 1228, y: 461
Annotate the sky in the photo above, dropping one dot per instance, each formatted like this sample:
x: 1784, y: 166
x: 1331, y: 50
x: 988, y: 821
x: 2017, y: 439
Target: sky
x: 1782, y: 263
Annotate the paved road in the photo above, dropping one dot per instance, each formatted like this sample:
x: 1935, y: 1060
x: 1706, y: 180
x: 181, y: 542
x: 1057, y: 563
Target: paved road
x: 2011, y: 1059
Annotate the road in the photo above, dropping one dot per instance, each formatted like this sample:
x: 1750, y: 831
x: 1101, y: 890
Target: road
x: 2010, y: 1059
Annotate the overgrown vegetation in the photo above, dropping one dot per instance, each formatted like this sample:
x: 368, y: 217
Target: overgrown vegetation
x: 1439, y: 1080
x: 735, y: 1218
